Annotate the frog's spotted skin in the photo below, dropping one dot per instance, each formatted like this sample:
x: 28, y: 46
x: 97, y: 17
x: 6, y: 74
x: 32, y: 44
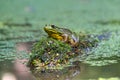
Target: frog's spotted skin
x: 62, y: 34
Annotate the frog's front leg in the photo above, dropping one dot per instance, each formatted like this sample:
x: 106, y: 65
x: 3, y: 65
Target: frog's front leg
x: 65, y: 37
x: 69, y: 40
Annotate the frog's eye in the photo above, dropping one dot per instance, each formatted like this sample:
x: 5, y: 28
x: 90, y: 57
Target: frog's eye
x: 53, y: 26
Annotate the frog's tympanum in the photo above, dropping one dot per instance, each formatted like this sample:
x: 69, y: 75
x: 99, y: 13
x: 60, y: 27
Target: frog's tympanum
x: 62, y: 34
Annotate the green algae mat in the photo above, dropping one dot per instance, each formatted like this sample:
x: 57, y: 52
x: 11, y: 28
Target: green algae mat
x: 22, y: 22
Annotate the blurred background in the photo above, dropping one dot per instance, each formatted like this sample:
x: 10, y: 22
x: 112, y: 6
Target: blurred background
x: 22, y: 22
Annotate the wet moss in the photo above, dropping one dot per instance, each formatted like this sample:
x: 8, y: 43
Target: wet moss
x: 49, y: 53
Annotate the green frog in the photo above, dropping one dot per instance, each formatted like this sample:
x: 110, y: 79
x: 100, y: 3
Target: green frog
x: 62, y: 34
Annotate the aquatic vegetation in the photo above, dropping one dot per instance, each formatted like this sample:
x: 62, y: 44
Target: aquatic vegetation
x: 106, y: 53
x: 6, y: 51
x: 12, y: 33
x: 111, y: 78
x: 49, y: 53
x: 109, y: 22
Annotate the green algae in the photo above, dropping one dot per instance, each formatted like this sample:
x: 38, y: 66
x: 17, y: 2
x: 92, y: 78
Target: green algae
x: 111, y: 78
x: 106, y: 53
x: 109, y: 22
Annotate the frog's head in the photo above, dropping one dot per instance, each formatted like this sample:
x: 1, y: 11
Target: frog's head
x: 52, y: 29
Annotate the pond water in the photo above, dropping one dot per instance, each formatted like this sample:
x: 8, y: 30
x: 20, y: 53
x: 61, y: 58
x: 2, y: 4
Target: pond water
x: 22, y: 22
x: 79, y: 72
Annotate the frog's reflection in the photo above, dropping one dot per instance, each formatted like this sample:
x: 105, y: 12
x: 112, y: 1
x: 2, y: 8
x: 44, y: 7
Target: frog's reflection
x: 22, y: 71
x: 65, y: 74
